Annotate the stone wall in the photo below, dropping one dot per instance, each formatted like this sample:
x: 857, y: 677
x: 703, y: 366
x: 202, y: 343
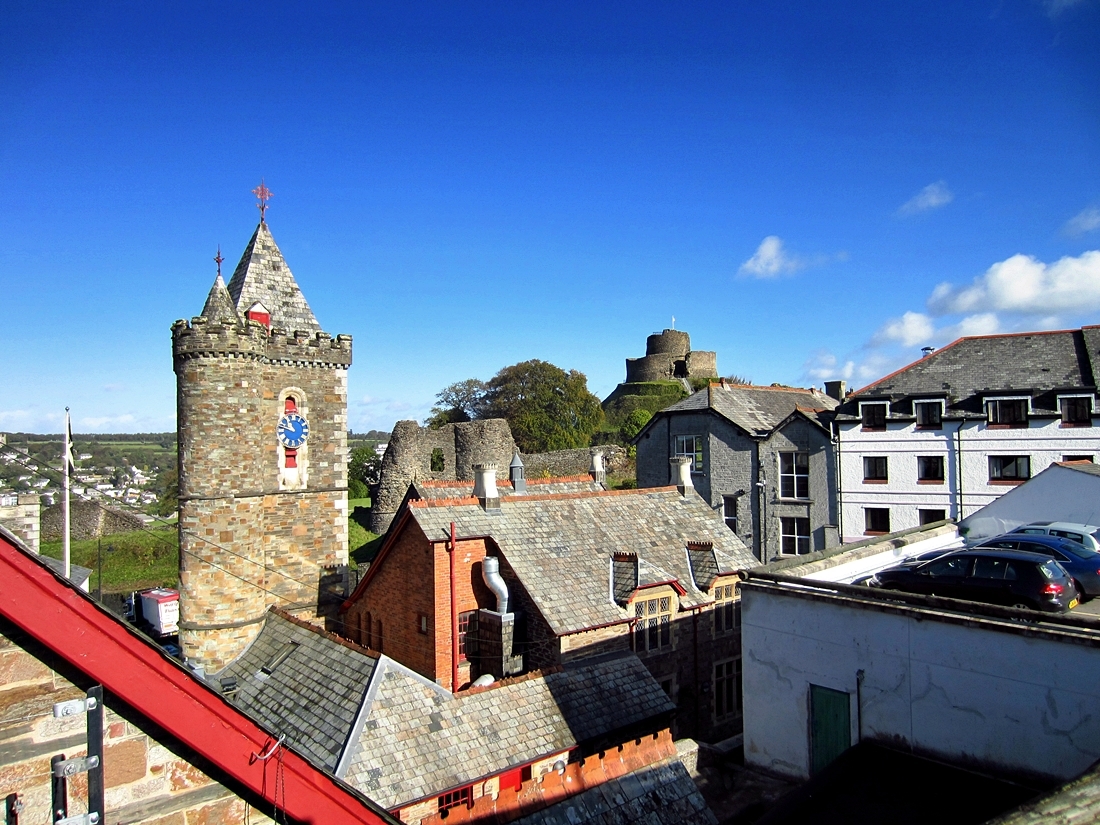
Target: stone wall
x: 87, y: 520
x: 23, y: 518
x: 255, y: 530
x: 146, y: 779
x: 669, y: 355
x: 574, y: 462
x: 408, y: 458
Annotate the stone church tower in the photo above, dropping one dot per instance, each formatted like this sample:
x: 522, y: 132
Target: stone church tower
x: 262, y: 421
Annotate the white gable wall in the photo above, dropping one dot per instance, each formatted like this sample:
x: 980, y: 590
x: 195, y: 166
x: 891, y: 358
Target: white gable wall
x: 996, y: 699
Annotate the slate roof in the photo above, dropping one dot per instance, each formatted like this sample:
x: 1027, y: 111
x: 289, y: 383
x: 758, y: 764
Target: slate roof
x: 660, y: 794
x: 757, y: 410
x: 433, y: 490
x: 418, y: 741
x: 219, y: 305
x: 1081, y: 467
x: 1074, y: 803
x: 313, y: 696
x: 1033, y: 363
x: 547, y: 540
x: 704, y: 566
x: 263, y: 275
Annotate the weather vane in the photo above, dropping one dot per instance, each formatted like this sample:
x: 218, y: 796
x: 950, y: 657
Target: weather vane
x: 264, y: 195
x: 218, y: 260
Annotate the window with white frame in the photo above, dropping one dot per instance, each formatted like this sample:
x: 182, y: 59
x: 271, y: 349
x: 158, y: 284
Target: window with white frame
x: 652, y: 623
x: 690, y: 446
x: 1006, y: 412
x: 929, y: 415
x: 1076, y: 410
x: 729, y: 511
x: 794, y: 535
x: 1009, y: 467
x: 873, y: 415
x: 794, y: 475
x: 876, y: 520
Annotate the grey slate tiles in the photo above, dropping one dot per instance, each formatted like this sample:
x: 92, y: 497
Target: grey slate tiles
x: 1038, y: 363
x: 312, y: 695
x: 572, y: 538
x: 263, y: 275
x: 418, y: 741
x: 756, y: 410
x: 661, y: 794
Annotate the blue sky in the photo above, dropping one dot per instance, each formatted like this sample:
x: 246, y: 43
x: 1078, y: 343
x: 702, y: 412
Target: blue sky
x: 812, y: 190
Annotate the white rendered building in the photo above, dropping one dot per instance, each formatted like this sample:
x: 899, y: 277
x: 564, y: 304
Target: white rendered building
x: 950, y: 433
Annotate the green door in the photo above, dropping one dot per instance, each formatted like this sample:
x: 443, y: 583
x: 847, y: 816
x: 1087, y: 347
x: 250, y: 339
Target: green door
x: 830, y: 726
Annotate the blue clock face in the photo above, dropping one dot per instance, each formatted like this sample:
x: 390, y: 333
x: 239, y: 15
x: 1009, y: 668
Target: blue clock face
x: 293, y: 430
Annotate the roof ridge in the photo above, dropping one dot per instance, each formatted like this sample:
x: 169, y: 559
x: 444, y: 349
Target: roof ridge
x: 729, y: 386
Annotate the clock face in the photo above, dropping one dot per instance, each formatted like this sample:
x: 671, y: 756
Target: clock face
x: 293, y: 430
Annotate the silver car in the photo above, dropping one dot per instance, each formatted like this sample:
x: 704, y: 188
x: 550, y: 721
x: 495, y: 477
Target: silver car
x: 1087, y: 535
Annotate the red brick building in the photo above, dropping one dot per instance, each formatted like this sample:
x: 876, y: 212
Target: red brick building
x: 652, y: 571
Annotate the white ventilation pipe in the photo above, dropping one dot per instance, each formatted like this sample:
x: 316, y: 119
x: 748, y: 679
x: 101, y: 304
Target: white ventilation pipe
x: 490, y: 572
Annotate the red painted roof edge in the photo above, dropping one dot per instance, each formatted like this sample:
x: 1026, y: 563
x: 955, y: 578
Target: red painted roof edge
x: 425, y: 503
x: 48, y: 608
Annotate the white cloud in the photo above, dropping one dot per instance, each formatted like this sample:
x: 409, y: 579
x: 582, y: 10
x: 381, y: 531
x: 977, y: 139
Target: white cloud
x: 824, y: 366
x: 933, y: 196
x: 910, y: 329
x: 13, y: 417
x: 1026, y: 285
x: 1087, y: 220
x: 771, y: 260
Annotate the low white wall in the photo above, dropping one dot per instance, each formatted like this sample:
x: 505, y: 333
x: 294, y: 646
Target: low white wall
x: 846, y: 572
x: 992, y: 698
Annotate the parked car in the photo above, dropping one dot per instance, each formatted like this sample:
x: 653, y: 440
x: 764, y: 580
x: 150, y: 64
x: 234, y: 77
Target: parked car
x: 1005, y: 577
x: 1087, y: 535
x: 1083, y: 565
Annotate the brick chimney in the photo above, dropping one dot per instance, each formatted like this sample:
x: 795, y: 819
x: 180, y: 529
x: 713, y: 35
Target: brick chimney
x: 836, y: 389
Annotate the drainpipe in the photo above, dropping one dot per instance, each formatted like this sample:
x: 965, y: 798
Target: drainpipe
x: 839, y: 488
x: 959, y: 466
x: 859, y: 705
x: 695, y: 644
x: 454, y: 615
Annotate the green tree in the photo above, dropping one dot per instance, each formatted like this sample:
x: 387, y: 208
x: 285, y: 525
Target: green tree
x: 634, y: 423
x: 546, y: 407
x: 461, y: 401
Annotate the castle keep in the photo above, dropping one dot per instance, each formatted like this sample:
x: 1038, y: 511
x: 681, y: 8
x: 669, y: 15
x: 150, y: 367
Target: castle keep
x: 262, y: 422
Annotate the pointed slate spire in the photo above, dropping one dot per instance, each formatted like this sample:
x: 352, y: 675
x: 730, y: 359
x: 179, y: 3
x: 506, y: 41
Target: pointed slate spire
x: 219, y: 306
x: 262, y: 275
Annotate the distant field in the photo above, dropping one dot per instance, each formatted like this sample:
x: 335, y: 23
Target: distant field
x: 363, y: 545
x: 131, y: 561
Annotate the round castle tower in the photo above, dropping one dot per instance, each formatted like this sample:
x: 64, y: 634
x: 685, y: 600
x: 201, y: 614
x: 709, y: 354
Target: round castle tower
x: 262, y: 433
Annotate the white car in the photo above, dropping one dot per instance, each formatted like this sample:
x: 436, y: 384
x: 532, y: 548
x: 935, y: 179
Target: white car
x: 1087, y: 535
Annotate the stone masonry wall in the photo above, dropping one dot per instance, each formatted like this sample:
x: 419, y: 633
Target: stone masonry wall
x: 562, y: 463
x: 24, y: 519
x: 249, y: 538
x: 408, y: 458
x: 87, y: 520
x: 145, y: 780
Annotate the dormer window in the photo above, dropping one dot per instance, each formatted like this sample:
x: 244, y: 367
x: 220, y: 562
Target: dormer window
x: 652, y: 623
x: 873, y: 415
x: 258, y: 312
x: 1004, y: 413
x: 929, y: 415
x: 1076, y: 410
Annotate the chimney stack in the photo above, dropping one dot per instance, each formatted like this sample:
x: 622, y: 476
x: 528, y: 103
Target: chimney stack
x: 515, y: 475
x: 836, y: 389
x: 485, y: 486
x: 681, y: 473
x: 596, y: 468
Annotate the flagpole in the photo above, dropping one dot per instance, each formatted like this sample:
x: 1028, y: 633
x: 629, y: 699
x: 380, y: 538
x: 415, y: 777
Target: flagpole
x: 65, y: 459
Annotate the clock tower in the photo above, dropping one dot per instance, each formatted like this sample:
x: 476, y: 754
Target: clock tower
x: 262, y: 429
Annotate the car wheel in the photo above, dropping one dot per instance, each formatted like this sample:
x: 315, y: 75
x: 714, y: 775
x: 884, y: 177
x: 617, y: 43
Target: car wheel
x: 1022, y: 606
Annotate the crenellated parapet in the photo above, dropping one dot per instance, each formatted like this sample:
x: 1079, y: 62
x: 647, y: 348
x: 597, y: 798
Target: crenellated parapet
x: 201, y: 337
